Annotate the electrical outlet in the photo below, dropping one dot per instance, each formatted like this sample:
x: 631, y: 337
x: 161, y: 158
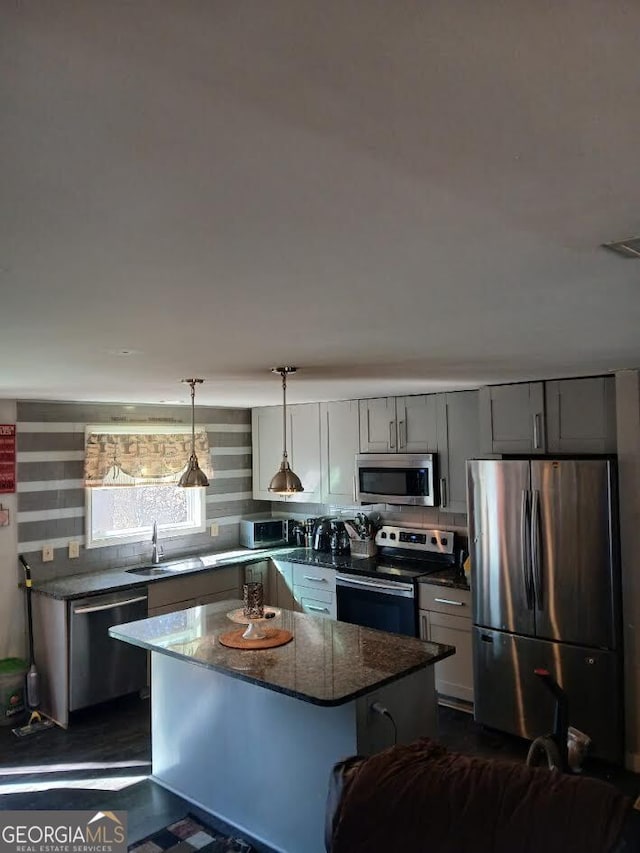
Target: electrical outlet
x: 214, y: 528
x: 74, y: 550
x: 47, y: 553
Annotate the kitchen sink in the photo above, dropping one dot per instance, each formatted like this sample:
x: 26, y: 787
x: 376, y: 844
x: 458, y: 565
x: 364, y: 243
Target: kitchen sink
x: 190, y: 564
x: 149, y: 571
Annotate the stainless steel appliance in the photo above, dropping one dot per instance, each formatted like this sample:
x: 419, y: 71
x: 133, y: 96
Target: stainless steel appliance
x: 263, y: 532
x: 380, y: 593
x: 101, y: 668
x: 396, y: 478
x: 331, y: 535
x: 546, y: 593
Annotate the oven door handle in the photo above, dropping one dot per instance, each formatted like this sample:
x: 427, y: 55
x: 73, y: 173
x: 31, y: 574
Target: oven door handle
x: 404, y: 590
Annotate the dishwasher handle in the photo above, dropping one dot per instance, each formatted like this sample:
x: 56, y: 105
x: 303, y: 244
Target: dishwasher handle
x: 112, y: 605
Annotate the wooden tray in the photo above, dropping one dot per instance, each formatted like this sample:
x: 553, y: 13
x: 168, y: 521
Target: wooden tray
x: 274, y: 637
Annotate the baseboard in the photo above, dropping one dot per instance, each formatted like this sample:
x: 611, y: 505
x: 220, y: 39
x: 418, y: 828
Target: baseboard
x: 457, y: 704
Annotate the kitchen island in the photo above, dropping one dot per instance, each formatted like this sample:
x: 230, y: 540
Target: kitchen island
x: 251, y: 736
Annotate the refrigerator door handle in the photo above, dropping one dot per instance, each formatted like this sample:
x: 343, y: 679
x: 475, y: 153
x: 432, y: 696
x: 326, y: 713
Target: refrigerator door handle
x: 525, y: 556
x: 535, y: 547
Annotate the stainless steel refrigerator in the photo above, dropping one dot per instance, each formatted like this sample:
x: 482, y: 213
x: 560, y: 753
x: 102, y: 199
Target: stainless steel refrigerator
x: 546, y: 593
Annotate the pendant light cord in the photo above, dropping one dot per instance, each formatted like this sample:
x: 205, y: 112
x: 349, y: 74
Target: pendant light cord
x: 193, y: 415
x: 284, y: 414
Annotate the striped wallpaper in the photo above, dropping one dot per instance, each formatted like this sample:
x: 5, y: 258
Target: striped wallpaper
x: 51, y: 499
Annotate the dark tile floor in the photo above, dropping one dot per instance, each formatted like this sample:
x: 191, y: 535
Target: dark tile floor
x: 102, y: 762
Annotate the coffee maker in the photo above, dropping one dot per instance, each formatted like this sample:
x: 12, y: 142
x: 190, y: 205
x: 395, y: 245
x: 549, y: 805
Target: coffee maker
x: 330, y: 535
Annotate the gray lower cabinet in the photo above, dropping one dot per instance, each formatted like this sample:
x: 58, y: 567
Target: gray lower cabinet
x: 581, y: 415
x: 304, y: 588
x: 512, y: 418
x: 167, y: 596
x: 314, y: 590
x: 281, y: 584
x: 445, y: 617
x: 458, y: 440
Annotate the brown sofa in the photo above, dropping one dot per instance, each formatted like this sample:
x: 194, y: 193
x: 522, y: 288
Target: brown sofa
x: 423, y: 798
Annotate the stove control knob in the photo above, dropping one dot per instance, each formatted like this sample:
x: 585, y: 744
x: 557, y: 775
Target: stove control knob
x: 383, y: 535
x: 392, y: 536
x: 444, y: 541
x: 434, y: 541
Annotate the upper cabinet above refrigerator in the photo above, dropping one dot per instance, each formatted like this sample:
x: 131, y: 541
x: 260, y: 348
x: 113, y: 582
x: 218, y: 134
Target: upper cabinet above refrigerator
x: 581, y: 415
x: 512, y: 418
x: 561, y: 416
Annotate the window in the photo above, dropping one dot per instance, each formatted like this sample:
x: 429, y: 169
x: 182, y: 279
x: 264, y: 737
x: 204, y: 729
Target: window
x: 130, y: 477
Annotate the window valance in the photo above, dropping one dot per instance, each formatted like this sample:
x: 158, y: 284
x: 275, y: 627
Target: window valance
x: 114, y: 458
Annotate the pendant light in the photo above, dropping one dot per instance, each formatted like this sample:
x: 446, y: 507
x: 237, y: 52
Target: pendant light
x: 285, y: 482
x: 192, y: 476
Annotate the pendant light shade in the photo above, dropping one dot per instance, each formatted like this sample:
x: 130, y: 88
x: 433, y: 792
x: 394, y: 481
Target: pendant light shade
x: 192, y: 477
x: 285, y: 481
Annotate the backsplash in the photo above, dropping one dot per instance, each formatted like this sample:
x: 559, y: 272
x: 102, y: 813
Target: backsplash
x: 51, y: 496
x: 408, y: 515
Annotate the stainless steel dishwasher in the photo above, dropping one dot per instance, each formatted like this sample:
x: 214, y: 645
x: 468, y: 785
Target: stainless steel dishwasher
x: 102, y: 668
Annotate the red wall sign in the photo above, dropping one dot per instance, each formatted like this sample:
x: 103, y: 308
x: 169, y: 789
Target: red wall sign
x: 7, y: 458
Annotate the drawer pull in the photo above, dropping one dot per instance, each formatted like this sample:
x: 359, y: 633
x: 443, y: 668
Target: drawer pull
x: 315, y: 580
x: 319, y: 609
x: 449, y: 601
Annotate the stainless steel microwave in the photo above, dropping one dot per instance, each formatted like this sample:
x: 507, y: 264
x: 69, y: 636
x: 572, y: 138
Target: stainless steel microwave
x: 396, y: 478
x: 263, y: 532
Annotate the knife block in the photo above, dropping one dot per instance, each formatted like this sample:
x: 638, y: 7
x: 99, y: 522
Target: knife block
x: 363, y: 548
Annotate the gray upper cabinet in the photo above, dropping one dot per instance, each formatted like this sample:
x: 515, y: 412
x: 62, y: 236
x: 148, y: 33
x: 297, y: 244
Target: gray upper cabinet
x: 303, y: 447
x: 399, y: 425
x: 458, y: 440
x: 512, y: 418
x: 339, y: 444
x: 581, y: 415
x: 378, y: 425
x: 417, y: 424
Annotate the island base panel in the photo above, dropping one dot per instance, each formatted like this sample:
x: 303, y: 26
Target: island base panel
x: 258, y: 759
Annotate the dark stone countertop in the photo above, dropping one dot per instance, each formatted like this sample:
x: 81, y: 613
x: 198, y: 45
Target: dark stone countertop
x: 380, y: 566
x: 327, y: 662
x: 112, y: 580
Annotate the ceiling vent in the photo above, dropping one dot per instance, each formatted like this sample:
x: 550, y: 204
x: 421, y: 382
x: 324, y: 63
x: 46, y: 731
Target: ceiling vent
x: 627, y: 248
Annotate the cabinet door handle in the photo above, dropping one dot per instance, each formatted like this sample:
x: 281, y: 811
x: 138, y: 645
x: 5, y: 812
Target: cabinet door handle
x: 536, y: 431
x: 449, y: 601
x: 355, y: 491
x: 318, y: 609
x: 317, y: 580
x: 402, y: 434
x: 423, y: 621
x: 392, y: 437
x: 443, y: 491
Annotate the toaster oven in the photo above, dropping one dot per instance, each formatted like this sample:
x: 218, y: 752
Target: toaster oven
x: 263, y: 532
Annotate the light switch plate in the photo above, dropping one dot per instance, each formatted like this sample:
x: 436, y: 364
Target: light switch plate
x: 214, y: 528
x: 47, y: 553
x: 74, y: 550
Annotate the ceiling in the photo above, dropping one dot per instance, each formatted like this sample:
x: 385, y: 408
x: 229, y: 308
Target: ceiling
x: 394, y: 196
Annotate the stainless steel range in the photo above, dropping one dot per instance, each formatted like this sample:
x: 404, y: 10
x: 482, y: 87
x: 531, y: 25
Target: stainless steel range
x: 380, y: 592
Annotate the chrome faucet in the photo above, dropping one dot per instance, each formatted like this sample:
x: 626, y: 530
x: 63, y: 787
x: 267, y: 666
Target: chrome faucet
x: 157, y: 551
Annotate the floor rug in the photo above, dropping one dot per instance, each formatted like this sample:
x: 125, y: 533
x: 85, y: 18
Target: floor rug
x: 188, y: 835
